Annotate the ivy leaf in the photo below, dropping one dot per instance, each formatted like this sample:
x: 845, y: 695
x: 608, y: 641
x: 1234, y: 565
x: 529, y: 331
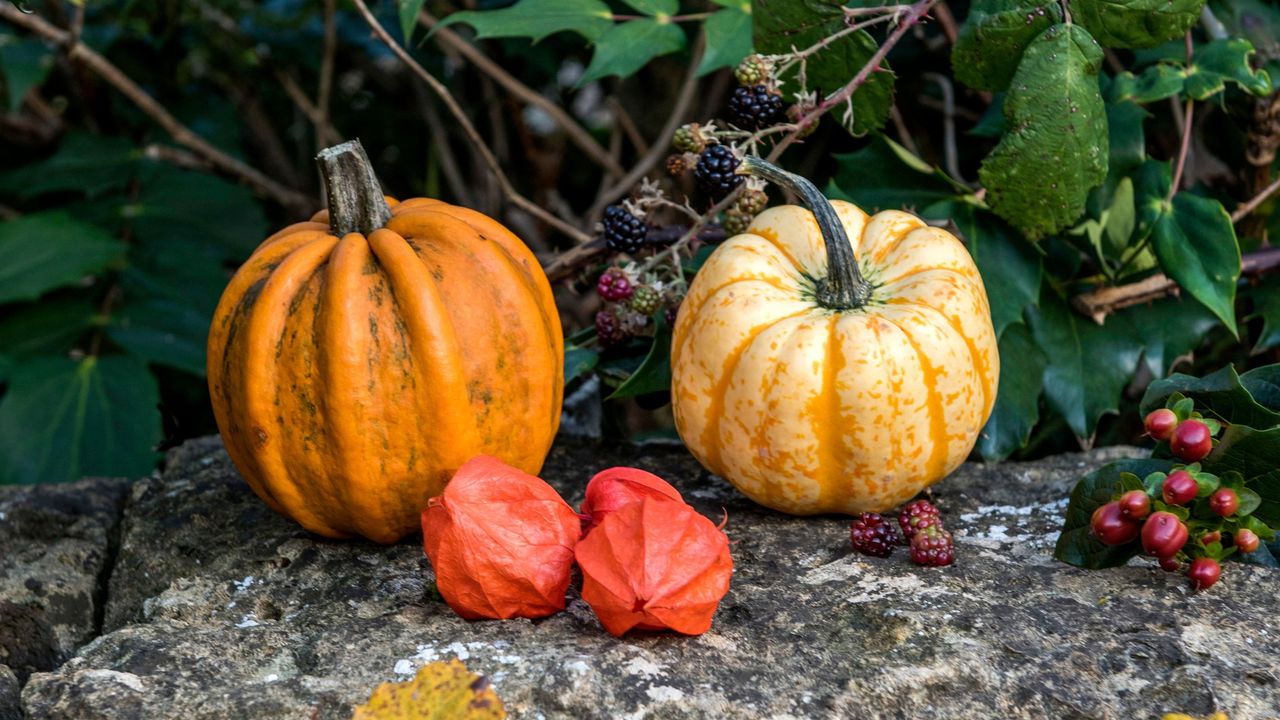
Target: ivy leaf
x: 1221, y: 61
x: 1089, y: 364
x: 1254, y: 453
x: 627, y: 47
x: 1219, y: 395
x: 1194, y: 240
x: 728, y: 39
x: 1266, y: 306
x: 886, y: 176
x: 781, y: 25
x: 654, y: 374
x: 1040, y: 174
x: 537, y: 19
x: 1077, y: 545
x: 578, y: 362
x: 1169, y: 328
x: 1136, y: 23
x: 1017, y: 407
x: 50, y: 326
x: 654, y: 7
x: 440, y: 690
x: 1263, y: 384
x: 994, y: 36
x: 62, y: 419
x: 162, y: 331
x: 23, y: 64
x: 1011, y: 269
x: 409, y: 10
x: 91, y: 164
x: 47, y: 250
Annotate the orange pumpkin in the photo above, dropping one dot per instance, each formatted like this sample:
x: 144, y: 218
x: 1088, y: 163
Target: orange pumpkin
x: 357, y: 360
x: 816, y: 382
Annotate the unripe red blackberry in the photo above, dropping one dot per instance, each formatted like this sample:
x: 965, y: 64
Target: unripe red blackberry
x: 932, y: 546
x: 917, y: 515
x: 715, y: 171
x: 1163, y: 534
x: 1110, y: 525
x: 1135, y: 504
x: 645, y: 300
x: 755, y: 107
x: 608, y: 329
x: 689, y: 139
x: 753, y: 70
x: 872, y: 535
x: 1179, y: 488
x: 1160, y: 423
x: 614, y: 285
x: 1204, y: 572
x: 1224, y: 501
x: 1246, y: 540
x: 1191, y: 441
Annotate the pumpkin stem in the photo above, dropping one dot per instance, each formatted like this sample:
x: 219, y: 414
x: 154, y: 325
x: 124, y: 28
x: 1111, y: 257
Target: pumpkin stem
x: 356, y: 203
x: 843, y: 288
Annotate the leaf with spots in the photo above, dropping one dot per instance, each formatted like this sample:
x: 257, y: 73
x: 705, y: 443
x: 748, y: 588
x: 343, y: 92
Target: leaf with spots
x: 1136, y: 23
x: 994, y: 36
x: 1055, y: 150
x: 440, y: 691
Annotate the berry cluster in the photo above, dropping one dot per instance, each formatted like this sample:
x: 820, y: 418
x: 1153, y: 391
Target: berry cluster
x: 1188, y: 516
x: 624, y: 232
x: 631, y: 303
x: 922, y: 530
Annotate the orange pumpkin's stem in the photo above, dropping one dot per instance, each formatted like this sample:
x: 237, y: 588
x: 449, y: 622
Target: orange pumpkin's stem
x: 356, y: 203
x: 843, y: 288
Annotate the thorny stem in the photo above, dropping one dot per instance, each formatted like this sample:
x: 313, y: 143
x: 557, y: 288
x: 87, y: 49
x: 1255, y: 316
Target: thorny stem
x: 1186, y: 134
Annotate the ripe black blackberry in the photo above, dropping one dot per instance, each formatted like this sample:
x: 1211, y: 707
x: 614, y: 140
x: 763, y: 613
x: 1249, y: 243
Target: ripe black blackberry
x: 623, y: 232
x: 754, y: 107
x: 933, y: 546
x: 714, y: 172
x: 871, y: 535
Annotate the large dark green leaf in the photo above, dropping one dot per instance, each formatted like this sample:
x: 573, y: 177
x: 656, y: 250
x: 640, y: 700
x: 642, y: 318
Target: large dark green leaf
x: 728, y: 38
x: 164, y: 332
x: 1077, y: 545
x: 780, y: 26
x: 48, y: 327
x: 207, y: 209
x: 654, y: 374
x: 1266, y: 306
x: 993, y: 37
x: 1089, y: 364
x: 1168, y: 329
x: 1136, y: 23
x: 48, y: 250
x: 578, y: 361
x: 1017, y: 407
x: 537, y: 19
x: 62, y: 419
x: 24, y: 63
x: 886, y: 176
x: 1010, y: 267
x: 1219, y: 395
x: 1055, y: 150
x: 626, y: 47
x: 408, y: 11
x: 1263, y: 384
x: 86, y: 163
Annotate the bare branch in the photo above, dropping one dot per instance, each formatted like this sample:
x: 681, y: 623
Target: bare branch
x: 325, y: 90
x: 1255, y: 201
x: 326, y: 134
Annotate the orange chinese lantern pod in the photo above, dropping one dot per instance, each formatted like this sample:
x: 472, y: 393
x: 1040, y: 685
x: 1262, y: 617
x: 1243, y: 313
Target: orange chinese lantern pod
x: 500, y: 541
x: 620, y: 486
x: 655, y: 565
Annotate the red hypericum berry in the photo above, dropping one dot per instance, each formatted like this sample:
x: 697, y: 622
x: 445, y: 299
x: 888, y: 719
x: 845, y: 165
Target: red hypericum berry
x: 1191, y: 441
x: 1160, y: 423
x: 1211, y: 537
x: 1224, y: 501
x: 1246, y: 540
x: 932, y: 546
x: 872, y: 535
x: 1110, y: 525
x: 614, y: 285
x: 1179, y: 488
x: 1135, y: 504
x: 1163, y: 535
x: 917, y: 515
x: 1170, y: 564
x: 1204, y: 572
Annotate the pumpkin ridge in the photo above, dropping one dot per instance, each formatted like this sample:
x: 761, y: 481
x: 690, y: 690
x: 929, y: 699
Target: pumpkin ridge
x: 296, y: 232
x: 734, y: 281
x: 266, y: 326
x: 939, y: 440
x: 829, y: 436
x: 911, y: 274
x: 772, y: 238
x: 759, y: 439
x: 983, y: 373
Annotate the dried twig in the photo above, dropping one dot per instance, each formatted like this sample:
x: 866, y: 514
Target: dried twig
x: 628, y: 125
x: 181, y: 133
x: 1185, y: 147
x: 1255, y: 201
x: 508, y: 190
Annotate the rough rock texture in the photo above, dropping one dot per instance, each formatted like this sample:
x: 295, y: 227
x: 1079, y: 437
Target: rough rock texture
x: 10, y: 705
x: 220, y: 609
x: 56, y: 543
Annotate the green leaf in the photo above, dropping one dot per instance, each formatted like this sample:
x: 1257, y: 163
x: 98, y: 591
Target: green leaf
x: 164, y: 332
x: 1249, y: 501
x: 654, y: 7
x: 728, y: 39
x: 578, y: 362
x: 1266, y: 306
x: 1076, y: 545
x: 1169, y: 328
x: 994, y: 36
x: 1011, y: 269
x: 654, y: 374
x: 1040, y: 174
x: 991, y: 124
x: 1219, y: 395
x: 886, y: 176
x: 47, y: 327
x: 1136, y: 23
x: 781, y: 25
x: 1017, y: 407
x: 409, y: 10
x: 63, y: 419
x: 23, y: 64
x: 1257, y: 21
x: 626, y: 47
x: 1156, y: 82
x: 1221, y: 61
x: 1194, y: 240
x: 6, y: 367
x: 1263, y: 384
x: 90, y: 164
x: 537, y: 19
x: 48, y: 250
x: 1089, y: 364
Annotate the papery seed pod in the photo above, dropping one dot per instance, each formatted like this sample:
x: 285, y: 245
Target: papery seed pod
x: 501, y: 542
x: 618, y: 487
x: 655, y: 565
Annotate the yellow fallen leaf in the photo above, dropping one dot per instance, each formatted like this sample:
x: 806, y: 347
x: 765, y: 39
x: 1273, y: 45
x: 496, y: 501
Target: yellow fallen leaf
x: 440, y: 691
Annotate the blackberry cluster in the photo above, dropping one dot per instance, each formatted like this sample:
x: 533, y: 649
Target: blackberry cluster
x: 714, y: 172
x: 623, y: 232
x: 749, y: 204
x: 608, y: 329
x: 872, y: 535
x: 916, y: 516
x: 614, y: 286
x: 753, y: 70
x: 646, y: 300
x: 754, y: 107
x: 932, y: 545
x: 687, y: 138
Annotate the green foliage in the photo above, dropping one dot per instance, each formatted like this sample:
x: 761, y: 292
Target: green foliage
x: 24, y: 63
x: 49, y: 250
x: 1136, y: 23
x: 1216, y: 64
x: 1017, y: 408
x: 654, y: 374
x: 995, y: 31
x: 536, y: 19
x: 728, y: 36
x: 626, y: 47
x: 1055, y: 152
x: 1076, y: 544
